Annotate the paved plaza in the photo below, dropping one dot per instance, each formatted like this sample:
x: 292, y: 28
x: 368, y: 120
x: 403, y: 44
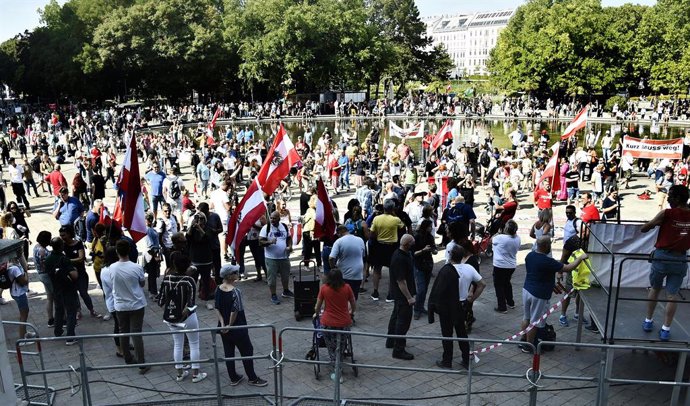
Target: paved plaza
x: 395, y: 387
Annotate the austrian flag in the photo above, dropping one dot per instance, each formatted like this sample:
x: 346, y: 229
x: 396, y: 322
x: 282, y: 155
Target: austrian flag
x: 280, y: 158
x: 129, y: 206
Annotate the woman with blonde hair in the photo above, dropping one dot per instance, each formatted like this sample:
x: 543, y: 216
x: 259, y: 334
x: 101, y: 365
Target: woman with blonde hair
x: 543, y: 227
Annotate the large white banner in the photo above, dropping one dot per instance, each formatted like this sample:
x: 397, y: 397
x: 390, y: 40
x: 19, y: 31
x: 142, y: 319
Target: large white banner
x: 645, y: 148
x: 416, y: 131
x: 625, y: 241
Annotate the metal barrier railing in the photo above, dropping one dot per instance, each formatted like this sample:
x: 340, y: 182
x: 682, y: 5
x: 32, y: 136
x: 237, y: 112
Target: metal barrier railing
x: 339, y: 362
x: 279, y: 359
x: 45, y: 390
x: 604, y: 378
x: 83, y: 369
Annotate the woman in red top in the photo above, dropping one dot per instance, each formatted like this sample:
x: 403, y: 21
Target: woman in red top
x: 336, y: 294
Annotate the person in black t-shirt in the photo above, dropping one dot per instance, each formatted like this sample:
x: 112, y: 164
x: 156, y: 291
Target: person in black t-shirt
x: 403, y: 290
x: 64, y: 277
x: 609, y: 208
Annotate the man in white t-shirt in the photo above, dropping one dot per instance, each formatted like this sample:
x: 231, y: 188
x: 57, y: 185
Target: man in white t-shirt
x: 347, y: 255
x: 220, y: 204
x: 166, y: 226
x: 129, y: 301
x: 275, y: 238
x: 172, y: 191
x: 17, y: 180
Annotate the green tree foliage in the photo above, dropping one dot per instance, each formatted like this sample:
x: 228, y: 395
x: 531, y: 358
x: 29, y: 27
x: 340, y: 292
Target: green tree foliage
x: 568, y: 47
x: 103, y: 48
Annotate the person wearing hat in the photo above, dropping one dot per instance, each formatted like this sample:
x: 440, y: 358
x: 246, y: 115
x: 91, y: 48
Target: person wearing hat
x: 230, y: 313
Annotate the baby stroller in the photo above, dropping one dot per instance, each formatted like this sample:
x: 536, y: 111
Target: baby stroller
x: 482, y: 238
x: 319, y: 341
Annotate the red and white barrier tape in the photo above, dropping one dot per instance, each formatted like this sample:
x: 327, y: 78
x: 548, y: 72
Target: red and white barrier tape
x: 523, y: 332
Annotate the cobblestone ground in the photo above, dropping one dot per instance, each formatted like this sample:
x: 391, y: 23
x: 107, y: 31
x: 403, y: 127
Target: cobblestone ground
x: 122, y: 386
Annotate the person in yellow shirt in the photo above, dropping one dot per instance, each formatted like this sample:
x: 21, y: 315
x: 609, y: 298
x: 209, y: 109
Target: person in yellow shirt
x: 384, y: 241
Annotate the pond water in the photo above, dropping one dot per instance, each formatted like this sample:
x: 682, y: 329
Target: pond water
x: 463, y: 129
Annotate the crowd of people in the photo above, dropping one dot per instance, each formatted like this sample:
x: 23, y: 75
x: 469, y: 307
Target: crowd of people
x: 403, y: 210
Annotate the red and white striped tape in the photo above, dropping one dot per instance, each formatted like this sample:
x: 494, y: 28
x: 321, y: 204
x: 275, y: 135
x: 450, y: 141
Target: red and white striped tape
x: 523, y: 332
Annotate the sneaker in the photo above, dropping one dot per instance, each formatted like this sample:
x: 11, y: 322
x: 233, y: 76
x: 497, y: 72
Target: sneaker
x: 563, y: 320
x: 404, y: 355
x: 180, y: 378
x: 333, y: 377
x: 375, y: 295
x: 51, y: 323
x: 503, y: 311
x: 443, y: 365
x: 648, y: 326
x: 664, y: 335
x: 275, y: 300
x: 210, y: 306
x: 287, y: 293
x: 236, y: 381
x: 362, y: 290
x: 258, y: 382
x: 511, y: 306
x: 106, y: 317
x: 95, y: 314
x: 144, y: 370
x: 389, y: 299
x: 199, y: 377
x: 70, y: 342
x: 592, y: 327
x: 525, y: 348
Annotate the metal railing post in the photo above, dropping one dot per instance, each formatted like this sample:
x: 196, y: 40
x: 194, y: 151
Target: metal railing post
x: 675, y: 395
x: 470, y: 369
x: 535, y: 374
x: 605, y: 367
x: 216, y: 368
x: 278, y: 370
x: 85, y: 391
x: 338, y: 360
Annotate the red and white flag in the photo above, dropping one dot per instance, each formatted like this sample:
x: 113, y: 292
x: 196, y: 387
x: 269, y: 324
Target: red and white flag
x: 445, y: 133
x: 209, y: 133
x: 551, y: 170
x: 129, y: 206
x: 250, y: 209
x: 578, y: 123
x: 281, y: 157
x: 325, y: 222
x: 415, y: 131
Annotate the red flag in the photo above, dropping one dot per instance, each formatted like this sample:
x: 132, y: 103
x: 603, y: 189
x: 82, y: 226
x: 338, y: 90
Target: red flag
x: 325, y: 222
x: 209, y: 137
x: 281, y: 157
x: 578, y: 123
x: 551, y: 170
x: 443, y: 134
x: 250, y: 209
x: 129, y: 206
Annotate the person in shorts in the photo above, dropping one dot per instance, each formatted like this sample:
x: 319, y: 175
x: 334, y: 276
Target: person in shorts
x: 669, y: 258
x: 40, y: 255
x: 540, y: 279
x: 18, y: 291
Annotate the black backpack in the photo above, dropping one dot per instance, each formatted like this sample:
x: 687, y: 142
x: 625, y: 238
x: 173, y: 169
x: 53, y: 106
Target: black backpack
x: 175, y: 191
x: 5, y: 279
x: 484, y: 159
x: 546, y: 333
x: 80, y: 228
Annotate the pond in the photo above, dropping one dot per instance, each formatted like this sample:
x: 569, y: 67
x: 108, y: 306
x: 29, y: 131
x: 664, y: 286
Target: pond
x: 463, y: 129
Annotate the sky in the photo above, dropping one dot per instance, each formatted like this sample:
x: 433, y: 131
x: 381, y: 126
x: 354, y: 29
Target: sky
x: 20, y: 15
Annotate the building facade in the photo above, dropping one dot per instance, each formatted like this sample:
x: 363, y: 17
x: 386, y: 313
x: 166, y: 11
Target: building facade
x: 468, y: 38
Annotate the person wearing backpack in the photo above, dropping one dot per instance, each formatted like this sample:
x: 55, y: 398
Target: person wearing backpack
x: 275, y: 238
x: 172, y: 192
x: 13, y: 277
x: 179, y: 313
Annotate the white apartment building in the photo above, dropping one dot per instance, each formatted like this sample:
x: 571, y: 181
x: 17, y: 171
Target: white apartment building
x: 468, y: 38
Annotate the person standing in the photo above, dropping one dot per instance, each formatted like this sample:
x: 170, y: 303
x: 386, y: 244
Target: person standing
x: 450, y: 296
x: 347, y: 255
x: 505, y: 248
x: 423, y: 251
x: 336, y: 294
x: 74, y: 250
x: 129, y: 301
x: 40, y: 253
x: 166, y: 226
x: 402, y: 287
x: 230, y: 312
x: 384, y: 241
x: 64, y: 277
x: 275, y: 238
x: 152, y: 256
x: 540, y: 279
x: 17, y: 180
x: 311, y: 247
x: 669, y: 258
x: 200, y: 238
x: 179, y: 313
x: 67, y: 209
x: 155, y: 179
x: 610, y: 206
x: 220, y: 203
x: 172, y: 191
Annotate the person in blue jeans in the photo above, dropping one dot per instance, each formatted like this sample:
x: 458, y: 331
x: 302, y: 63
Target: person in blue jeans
x: 155, y: 179
x: 344, y: 178
x: 423, y: 251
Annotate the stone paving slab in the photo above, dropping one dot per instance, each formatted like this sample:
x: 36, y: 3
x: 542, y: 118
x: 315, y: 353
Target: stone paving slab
x: 397, y: 387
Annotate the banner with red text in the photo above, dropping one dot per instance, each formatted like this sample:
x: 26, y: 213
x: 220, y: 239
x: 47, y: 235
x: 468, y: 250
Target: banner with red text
x: 654, y: 149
